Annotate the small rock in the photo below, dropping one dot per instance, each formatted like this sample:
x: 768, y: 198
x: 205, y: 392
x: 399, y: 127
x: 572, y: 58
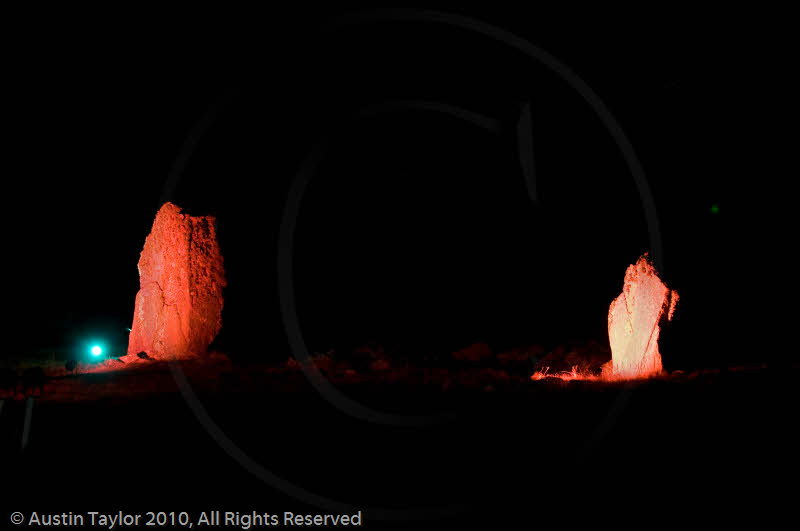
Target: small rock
x: 474, y: 353
x: 380, y: 366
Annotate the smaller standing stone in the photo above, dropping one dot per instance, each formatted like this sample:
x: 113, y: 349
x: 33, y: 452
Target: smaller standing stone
x: 634, y: 320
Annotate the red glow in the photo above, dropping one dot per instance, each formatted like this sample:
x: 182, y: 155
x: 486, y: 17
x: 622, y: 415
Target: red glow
x: 634, y: 320
x: 178, y: 310
x: 567, y: 376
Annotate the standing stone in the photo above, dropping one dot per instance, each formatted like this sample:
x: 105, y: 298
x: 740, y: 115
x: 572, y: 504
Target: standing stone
x: 178, y: 310
x: 634, y: 320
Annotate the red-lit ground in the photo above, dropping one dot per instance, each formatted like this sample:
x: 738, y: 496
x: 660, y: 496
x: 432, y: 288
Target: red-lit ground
x: 107, y: 435
x: 474, y: 369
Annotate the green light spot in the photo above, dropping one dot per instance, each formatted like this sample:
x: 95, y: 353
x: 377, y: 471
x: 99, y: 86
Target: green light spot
x: 714, y: 209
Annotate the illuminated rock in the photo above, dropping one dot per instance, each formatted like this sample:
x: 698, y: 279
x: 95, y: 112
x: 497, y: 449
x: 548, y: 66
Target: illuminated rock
x: 178, y: 310
x: 634, y: 320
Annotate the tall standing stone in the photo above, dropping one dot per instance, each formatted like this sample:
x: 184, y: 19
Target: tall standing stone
x: 634, y: 320
x: 178, y: 310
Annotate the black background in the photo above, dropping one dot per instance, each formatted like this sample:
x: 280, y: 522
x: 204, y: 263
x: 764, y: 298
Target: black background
x: 417, y: 229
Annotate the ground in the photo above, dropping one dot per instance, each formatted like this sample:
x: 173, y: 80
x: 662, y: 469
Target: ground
x: 503, y: 444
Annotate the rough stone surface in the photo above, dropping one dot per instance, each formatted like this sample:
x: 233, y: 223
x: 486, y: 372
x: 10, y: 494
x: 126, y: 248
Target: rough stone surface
x: 178, y: 310
x: 634, y: 320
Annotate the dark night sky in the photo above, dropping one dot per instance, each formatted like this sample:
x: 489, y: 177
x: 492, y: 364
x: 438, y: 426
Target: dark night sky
x: 416, y: 227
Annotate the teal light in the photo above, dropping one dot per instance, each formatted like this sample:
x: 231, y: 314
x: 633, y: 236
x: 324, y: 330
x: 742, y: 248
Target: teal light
x: 96, y: 351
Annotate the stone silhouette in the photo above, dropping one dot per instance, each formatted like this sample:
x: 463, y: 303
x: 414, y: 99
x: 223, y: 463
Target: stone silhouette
x: 178, y: 310
x: 634, y: 321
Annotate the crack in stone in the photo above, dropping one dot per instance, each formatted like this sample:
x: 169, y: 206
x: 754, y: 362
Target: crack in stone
x: 182, y: 259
